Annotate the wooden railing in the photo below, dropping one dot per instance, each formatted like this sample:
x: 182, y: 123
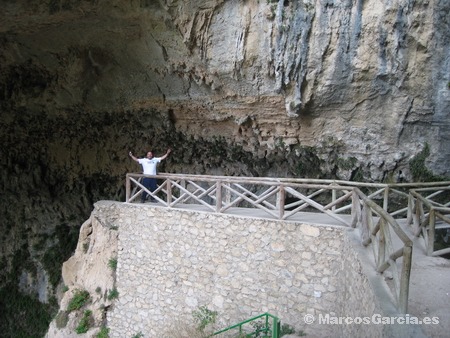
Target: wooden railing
x: 278, y: 197
x: 377, y: 228
x: 429, y: 210
x: 373, y: 207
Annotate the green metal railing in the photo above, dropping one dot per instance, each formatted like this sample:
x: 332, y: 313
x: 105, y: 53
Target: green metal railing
x: 262, y: 326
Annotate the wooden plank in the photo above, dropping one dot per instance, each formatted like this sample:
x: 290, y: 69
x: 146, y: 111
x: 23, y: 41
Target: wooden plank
x: 337, y: 201
x: 392, y: 258
x: 441, y: 252
x: 444, y: 218
x: 193, y: 196
x: 259, y: 198
x: 315, y: 205
x: 259, y: 206
x: 393, y: 223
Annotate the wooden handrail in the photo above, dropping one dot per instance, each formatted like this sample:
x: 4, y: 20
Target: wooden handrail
x: 415, y: 185
x: 425, y: 213
x: 271, y: 195
x: 385, y: 255
x: 382, y: 191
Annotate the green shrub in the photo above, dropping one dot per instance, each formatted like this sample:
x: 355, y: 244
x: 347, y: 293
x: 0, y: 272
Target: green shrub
x: 113, y: 294
x: 286, y: 329
x: 113, y: 264
x: 104, y: 333
x: 80, y: 298
x: 203, y: 316
x: 346, y: 163
x: 418, y: 168
x: 85, y: 322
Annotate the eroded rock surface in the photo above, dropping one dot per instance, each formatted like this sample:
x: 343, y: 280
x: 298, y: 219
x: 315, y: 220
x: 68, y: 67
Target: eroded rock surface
x: 91, y: 269
x: 368, y: 80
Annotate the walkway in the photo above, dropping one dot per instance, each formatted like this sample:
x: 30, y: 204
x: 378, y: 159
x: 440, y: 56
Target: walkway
x: 429, y: 289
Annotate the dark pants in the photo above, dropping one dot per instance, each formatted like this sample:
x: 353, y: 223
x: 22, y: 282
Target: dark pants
x: 150, y: 184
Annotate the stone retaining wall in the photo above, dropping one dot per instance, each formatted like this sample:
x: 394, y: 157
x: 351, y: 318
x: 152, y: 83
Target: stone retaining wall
x: 171, y: 262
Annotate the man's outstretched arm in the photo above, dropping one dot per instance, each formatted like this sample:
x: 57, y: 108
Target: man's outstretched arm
x: 166, y: 154
x: 133, y: 157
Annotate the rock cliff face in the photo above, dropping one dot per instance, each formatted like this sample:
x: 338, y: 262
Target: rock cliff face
x: 91, y: 269
x: 345, y: 89
x: 367, y: 80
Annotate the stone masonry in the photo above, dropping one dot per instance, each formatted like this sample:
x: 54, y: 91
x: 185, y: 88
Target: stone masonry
x: 171, y: 262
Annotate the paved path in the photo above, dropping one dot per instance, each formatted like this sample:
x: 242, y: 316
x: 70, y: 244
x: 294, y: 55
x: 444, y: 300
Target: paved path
x: 429, y: 289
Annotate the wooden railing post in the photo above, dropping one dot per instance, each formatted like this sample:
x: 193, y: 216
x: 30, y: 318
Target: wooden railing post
x: 218, y: 195
x: 431, y: 232
x: 366, y: 220
x: 127, y: 188
x: 169, y: 191
x: 281, y: 201
x: 404, y: 279
x: 356, y: 209
x: 183, y: 183
x: 333, y: 198
x: 228, y: 194
x: 386, y: 199
x: 417, y: 217
x: 409, y: 213
x: 382, y: 242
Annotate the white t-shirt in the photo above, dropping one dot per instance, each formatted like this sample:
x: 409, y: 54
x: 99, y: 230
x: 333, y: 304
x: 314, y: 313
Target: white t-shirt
x: 149, y: 165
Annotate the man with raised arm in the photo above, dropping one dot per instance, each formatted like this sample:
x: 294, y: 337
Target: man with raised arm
x: 149, y: 164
